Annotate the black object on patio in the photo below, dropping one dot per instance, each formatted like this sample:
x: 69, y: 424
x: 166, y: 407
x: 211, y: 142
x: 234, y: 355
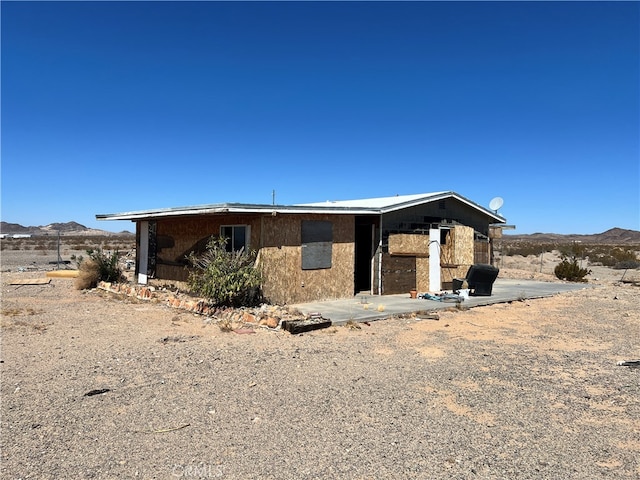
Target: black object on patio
x: 480, y: 278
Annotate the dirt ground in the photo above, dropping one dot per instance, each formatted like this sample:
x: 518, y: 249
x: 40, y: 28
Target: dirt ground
x: 95, y: 386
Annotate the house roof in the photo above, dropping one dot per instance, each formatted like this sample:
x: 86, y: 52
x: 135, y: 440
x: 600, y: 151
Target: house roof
x: 381, y: 203
x: 366, y: 206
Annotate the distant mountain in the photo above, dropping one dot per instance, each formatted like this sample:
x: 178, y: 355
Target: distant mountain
x: 68, y: 228
x: 14, y: 228
x: 613, y: 236
x: 64, y: 227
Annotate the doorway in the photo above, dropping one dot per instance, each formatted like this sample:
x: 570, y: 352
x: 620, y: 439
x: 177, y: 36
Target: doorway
x: 365, y: 241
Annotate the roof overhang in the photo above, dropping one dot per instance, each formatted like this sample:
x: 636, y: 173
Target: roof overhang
x: 372, y: 206
x: 227, y: 208
x: 399, y: 202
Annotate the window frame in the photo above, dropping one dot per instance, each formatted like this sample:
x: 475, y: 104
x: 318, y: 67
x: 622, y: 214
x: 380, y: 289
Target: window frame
x: 231, y: 241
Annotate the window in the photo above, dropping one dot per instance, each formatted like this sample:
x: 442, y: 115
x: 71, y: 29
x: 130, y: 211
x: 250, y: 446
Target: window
x: 317, y: 244
x: 443, y: 235
x: 237, y: 237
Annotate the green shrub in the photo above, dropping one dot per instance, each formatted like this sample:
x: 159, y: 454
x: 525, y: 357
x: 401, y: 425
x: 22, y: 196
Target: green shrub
x: 627, y: 265
x: 609, y: 256
x: 100, y: 266
x: 225, y: 278
x: 568, y: 269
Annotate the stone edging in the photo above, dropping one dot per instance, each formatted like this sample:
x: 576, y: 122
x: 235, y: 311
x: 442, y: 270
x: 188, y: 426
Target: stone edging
x: 267, y: 315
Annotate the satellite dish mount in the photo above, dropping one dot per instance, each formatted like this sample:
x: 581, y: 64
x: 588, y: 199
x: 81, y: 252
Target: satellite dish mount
x: 496, y: 203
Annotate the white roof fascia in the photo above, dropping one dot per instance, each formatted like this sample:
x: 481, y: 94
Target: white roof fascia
x: 377, y: 203
x: 442, y: 195
x: 232, y: 208
x: 490, y: 213
x: 370, y: 206
x: 399, y: 202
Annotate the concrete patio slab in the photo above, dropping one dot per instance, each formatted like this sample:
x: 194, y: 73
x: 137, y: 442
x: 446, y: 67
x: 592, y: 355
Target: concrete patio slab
x: 366, y: 307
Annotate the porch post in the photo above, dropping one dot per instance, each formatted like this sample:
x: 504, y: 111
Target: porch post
x: 380, y: 259
x: 435, y: 284
x: 143, y: 252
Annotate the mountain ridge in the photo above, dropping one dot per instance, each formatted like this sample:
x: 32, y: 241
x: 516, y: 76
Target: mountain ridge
x: 612, y: 236
x: 72, y: 227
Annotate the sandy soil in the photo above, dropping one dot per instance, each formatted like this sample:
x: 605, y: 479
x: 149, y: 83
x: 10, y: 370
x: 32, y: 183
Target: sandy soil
x: 523, y: 390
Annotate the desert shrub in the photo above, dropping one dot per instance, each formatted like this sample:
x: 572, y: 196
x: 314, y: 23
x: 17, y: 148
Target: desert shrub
x: 107, y: 265
x: 78, y: 259
x: 627, y: 265
x: 577, y: 250
x: 225, y: 278
x: 609, y: 256
x: 225, y: 325
x: 568, y: 269
x: 100, y: 266
x: 528, y: 248
x: 88, y: 275
x: 40, y: 246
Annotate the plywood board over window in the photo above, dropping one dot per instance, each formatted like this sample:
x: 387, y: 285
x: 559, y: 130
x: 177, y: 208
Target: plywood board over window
x: 317, y: 244
x: 409, y: 244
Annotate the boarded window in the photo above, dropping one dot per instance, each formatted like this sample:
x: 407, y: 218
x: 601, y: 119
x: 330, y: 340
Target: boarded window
x: 317, y: 243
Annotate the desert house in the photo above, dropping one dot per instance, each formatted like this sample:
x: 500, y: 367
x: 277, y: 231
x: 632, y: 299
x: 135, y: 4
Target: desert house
x: 327, y: 250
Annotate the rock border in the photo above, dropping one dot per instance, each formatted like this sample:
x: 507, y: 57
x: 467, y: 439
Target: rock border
x: 270, y: 316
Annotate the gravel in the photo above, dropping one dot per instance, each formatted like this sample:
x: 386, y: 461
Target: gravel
x: 527, y: 390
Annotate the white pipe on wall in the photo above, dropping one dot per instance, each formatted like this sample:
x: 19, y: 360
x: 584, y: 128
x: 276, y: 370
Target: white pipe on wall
x: 435, y: 282
x: 373, y: 260
x: 144, y: 252
x: 380, y: 266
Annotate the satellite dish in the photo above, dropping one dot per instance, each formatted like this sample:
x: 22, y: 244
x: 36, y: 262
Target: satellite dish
x: 496, y: 203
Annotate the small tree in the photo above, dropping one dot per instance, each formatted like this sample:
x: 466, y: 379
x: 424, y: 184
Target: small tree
x: 225, y: 278
x: 568, y: 269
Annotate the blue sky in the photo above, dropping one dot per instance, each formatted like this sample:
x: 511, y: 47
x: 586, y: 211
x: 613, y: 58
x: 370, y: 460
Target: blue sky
x: 119, y: 106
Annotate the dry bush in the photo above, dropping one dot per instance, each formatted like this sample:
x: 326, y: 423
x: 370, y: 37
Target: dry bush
x: 353, y: 325
x: 226, y: 325
x: 88, y: 275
